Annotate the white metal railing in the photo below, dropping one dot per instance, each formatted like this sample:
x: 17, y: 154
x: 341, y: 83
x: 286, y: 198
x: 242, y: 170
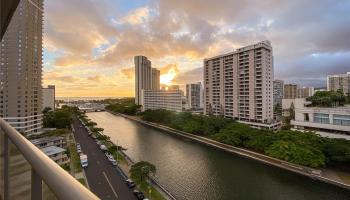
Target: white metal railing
x: 61, y: 183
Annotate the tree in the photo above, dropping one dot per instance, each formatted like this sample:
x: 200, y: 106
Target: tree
x: 298, y: 154
x: 46, y: 110
x: 328, y: 99
x: 141, y: 170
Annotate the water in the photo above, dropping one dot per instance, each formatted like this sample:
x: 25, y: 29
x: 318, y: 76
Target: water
x: 190, y: 170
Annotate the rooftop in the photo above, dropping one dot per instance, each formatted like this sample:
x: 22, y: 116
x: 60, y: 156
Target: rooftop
x: 52, y: 150
x: 45, y: 140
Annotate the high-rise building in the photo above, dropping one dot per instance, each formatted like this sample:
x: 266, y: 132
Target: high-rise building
x: 305, y: 92
x: 49, y: 97
x: 146, y: 77
x: 194, y: 95
x: 239, y: 84
x: 143, y: 76
x: 290, y: 91
x: 21, y: 68
x: 155, y: 79
x: 339, y: 82
x: 278, y: 92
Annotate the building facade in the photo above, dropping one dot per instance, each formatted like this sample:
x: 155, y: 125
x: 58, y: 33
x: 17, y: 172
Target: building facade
x: 21, y: 68
x: 339, y: 82
x: 57, y: 154
x: 155, y: 79
x: 239, y: 84
x: 305, y: 92
x: 278, y: 92
x: 162, y: 99
x: 194, y: 95
x: 49, y: 97
x: 290, y: 91
x: 143, y: 76
x: 50, y: 141
x: 335, y: 119
x: 146, y: 77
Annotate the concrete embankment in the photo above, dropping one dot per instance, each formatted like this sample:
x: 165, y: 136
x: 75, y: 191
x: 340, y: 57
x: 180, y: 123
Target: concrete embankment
x: 306, y: 171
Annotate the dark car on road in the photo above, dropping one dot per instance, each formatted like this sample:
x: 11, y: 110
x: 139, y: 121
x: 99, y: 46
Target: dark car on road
x: 139, y: 195
x: 130, y: 183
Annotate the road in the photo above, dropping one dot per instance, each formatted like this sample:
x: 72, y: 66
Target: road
x: 103, y: 178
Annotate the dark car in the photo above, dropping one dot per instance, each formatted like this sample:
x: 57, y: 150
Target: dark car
x: 130, y: 183
x: 139, y: 195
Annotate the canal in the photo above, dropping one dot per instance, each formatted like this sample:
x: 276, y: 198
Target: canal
x: 190, y: 170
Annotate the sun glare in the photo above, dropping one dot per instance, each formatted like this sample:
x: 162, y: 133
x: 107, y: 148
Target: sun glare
x: 168, y: 77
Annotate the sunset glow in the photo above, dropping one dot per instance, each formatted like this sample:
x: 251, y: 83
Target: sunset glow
x: 168, y: 78
x: 92, y: 49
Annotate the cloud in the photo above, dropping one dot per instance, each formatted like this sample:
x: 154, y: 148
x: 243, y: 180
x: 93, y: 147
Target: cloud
x: 137, y: 16
x: 191, y: 76
x: 129, y: 73
x: 98, y: 34
x: 96, y: 78
x: 57, y: 77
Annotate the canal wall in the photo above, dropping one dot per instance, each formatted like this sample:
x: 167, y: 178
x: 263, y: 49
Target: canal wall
x: 315, y: 174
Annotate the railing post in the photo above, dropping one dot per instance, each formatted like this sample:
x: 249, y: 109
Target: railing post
x: 36, y: 190
x: 6, y: 167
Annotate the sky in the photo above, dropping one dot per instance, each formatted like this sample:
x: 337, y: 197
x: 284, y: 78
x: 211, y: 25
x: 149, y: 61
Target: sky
x: 89, y: 45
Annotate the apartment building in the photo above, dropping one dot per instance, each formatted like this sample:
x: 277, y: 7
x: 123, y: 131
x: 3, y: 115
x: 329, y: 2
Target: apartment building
x: 305, y: 92
x: 21, y: 68
x: 155, y: 79
x: 194, y: 96
x: 339, y: 82
x: 50, y: 141
x: 278, y: 87
x: 239, y: 84
x: 290, y: 91
x: 49, y: 97
x: 146, y: 77
x: 57, y: 154
x: 162, y: 99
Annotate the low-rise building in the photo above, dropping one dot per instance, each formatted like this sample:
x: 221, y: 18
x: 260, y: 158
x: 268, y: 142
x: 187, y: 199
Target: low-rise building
x: 50, y: 141
x: 332, y: 119
x: 57, y: 154
x: 162, y: 99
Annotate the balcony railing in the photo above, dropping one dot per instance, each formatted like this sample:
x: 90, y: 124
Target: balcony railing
x: 15, y: 148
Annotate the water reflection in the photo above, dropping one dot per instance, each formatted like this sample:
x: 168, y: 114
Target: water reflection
x: 194, y: 171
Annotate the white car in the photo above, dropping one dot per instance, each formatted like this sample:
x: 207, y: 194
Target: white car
x: 84, y: 161
x: 103, y: 147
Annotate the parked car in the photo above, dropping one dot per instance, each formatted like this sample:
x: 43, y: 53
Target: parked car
x: 98, y: 142
x: 84, y: 161
x: 139, y: 195
x: 130, y: 183
x: 103, y: 147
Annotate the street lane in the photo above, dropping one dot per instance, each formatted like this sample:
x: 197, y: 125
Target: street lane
x: 104, y: 180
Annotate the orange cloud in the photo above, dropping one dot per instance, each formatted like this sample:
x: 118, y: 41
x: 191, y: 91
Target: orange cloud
x: 129, y: 73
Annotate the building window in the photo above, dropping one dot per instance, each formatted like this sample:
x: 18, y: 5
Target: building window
x: 321, y: 118
x: 342, y: 120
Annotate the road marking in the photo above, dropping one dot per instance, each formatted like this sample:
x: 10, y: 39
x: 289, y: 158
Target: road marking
x: 110, y: 185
